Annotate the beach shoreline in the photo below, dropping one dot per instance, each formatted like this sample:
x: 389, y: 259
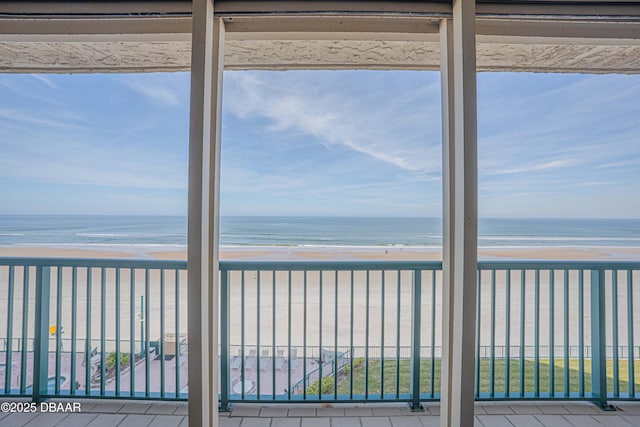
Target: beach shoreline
x: 328, y: 253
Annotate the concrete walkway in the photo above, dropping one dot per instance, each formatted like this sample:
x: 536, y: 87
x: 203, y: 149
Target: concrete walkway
x: 496, y: 414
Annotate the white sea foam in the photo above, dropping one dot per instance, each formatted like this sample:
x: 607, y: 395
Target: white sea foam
x: 341, y: 247
x: 164, y: 246
x: 558, y: 238
x: 102, y: 235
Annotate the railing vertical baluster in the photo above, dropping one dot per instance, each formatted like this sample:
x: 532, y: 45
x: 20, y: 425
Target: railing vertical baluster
x: 258, y: 354
x: 630, y: 344
x: 566, y: 333
x: 581, y: 332
x: 177, y: 313
x: 398, y: 308
x: 9, y: 348
x: 87, y: 345
x: 224, y: 340
x: 522, y: 317
x: 415, y: 343
x: 382, y: 335
x: 103, y: 324
x: 536, y: 334
x: 25, y: 318
x: 351, y: 349
x: 132, y: 332
x: 58, y: 329
x: 366, y: 338
x: 304, y: 339
x: 147, y: 362
x: 289, y: 336
x: 74, y: 329
x: 118, y: 349
x: 273, y: 333
x: 507, y: 336
x: 432, y: 370
x: 40, y: 386
x: 552, y: 359
x: 242, y: 327
x: 161, y: 343
x: 320, y: 338
x: 598, y: 340
x: 492, y: 366
x: 478, y: 329
x: 614, y: 315
x: 335, y: 339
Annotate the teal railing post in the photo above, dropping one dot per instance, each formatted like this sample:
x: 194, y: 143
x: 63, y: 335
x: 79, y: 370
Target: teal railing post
x: 415, y: 342
x: 224, y: 341
x: 598, y: 341
x: 8, y: 348
x: 41, y: 334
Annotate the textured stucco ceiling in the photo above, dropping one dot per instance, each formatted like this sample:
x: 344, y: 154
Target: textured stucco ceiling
x: 118, y: 56
x: 39, y: 37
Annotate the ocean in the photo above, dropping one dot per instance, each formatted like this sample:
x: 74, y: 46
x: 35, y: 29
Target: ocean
x: 170, y: 232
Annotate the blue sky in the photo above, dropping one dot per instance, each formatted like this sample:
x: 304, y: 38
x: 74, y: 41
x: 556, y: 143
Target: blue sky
x: 355, y: 143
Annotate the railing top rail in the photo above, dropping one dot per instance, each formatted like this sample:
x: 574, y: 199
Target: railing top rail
x: 557, y: 265
x: 94, y: 262
x: 425, y: 265
x: 329, y: 265
x: 357, y: 265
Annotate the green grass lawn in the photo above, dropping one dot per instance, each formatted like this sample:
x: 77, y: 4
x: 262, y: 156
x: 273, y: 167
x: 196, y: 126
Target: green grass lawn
x: 404, y: 382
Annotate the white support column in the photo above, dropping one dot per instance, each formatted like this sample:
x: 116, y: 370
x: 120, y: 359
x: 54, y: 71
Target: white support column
x: 204, y: 185
x: 448, y: 211
x: 460, y: 214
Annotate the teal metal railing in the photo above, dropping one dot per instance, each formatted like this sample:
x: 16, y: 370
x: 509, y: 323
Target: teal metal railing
x: 574, y: 329
x: 545, y: 330
x: 317, y: 331
x: 100, y: 328
x: 363, y: 309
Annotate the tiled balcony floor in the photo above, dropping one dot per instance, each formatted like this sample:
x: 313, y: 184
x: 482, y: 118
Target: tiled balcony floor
x: 495, y: 414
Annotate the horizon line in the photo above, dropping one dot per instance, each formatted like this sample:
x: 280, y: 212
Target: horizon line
x: 316, y: 216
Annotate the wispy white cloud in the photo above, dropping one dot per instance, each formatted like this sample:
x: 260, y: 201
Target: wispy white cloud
x: 158, y: 88
x: 532, y: 167
x: 54, y: 118
x: 89, y: 165
x: 45, y: 80
x: 527, y: 119
x: 393, y: 129
x: 318, y: 145
x: 90, y: 137
x: 594, y: 183
x: 620, y: 164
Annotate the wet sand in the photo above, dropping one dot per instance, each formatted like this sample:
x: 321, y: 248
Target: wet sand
x: 51, y: 252
x: 277, y: 253
x: 413, y: 254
